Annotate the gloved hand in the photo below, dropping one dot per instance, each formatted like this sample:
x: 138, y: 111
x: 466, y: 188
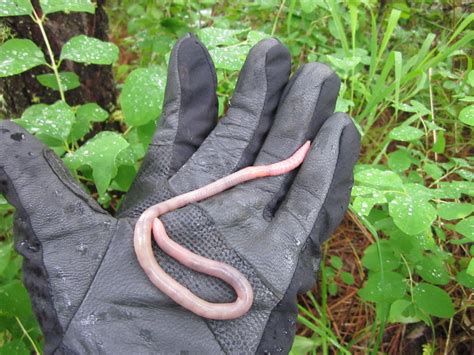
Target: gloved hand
x: 87, y: 288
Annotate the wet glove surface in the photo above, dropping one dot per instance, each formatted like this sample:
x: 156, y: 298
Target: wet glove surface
x: 87, y: 288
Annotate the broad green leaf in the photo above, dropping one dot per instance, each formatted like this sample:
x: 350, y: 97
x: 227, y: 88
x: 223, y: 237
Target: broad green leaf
x: 50, y: 6
x: 454, y: 210
x: 69, y: 81
x: 15, y: 346
x: 363, y: 205
x: 363, y: 191
x: 411, y: 214
x: 54, y: 121
x: 308, y: 6
x: 406, y: 133
x: 213, y: 36
x: 470, y: 268
x: 253, y: 37
x: 433, y: 300
x: 399, y: 312
x: 99, y: 153
x: 92, y: 112
x: 19, y: 55
x: 383, y: 287
x: 440, y: 145
x: 15, y: 8
x: 303, y: 345
x: 387, y: 180
x: 466, y: 228
x: 470, y: 78
x: 467, y: 115
x: 85, y: 115
x: 229, y: 58
x: 418, y: 191
x: 83, y: 49
x: 399, y: 160
x: 465, y: 279
x: 431, y: 269
x: 433, y: 170
x: 386, y: 258
x: 465, y: 174
x: 15, y: 300
x: 5, y: 252
x: 142, y: 96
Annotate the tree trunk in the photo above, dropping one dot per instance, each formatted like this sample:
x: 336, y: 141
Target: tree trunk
x: 97, y: 82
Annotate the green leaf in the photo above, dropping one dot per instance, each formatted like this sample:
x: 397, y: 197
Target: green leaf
x: 253, y: 37
x: 83, y: 49
x: 411, y: 214
x: 5, y: 253
x: 229, y: 58
x: 378, y: 178
x: 336, y: 262
x: 470, y: 268
x: 308, y: 6
x: 347, y: 278
x: 142, y: 96
x: 383, y: 287
x: 19, y: 55
x: 440, y: 144
x: 454, y: 210
x: 399, y: 310
x: 15, y: 346
x: 406, y: 133
x: 54, y: 121
x: 15, y: 8
x: 465, y: 279
x: 50, y: 6
x: 466, y: 228
x: 433, y: 170
x: 92, y: 113
x: 213, y: 36
x: 100, y: 153
x: 303, y: 345
x: 433, y: 300
x: 431, y: 269
x: 85, y: 115
x: 15, y: 300
x: 387, y: 258
x: 399, y: 160
x: 467, y: 115
x: 69, y: 81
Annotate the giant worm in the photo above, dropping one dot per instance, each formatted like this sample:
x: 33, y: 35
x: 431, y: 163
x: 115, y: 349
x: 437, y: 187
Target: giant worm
x: 149, y: 222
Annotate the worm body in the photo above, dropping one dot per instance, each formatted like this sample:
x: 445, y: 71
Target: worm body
x: 149, y: 221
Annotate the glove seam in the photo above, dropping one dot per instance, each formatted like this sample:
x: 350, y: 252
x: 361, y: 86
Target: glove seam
x: 90, y: 285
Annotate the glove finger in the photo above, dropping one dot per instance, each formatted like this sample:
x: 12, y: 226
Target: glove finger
x: 238, y: 136
x: 308, y: 102
x: 189, y: 114
x: 316, y: 201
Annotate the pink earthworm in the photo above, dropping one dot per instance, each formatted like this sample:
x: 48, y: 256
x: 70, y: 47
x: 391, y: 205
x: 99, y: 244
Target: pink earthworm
x: 148, y: 221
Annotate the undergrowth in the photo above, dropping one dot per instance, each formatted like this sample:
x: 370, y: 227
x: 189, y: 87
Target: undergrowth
x: 398, y: 274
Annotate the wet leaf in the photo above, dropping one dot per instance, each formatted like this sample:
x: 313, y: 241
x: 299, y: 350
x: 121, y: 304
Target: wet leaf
x: 433, y: 300
x: 83, y: 49
x: 411, y: 214
x: 406, y: 133
x: 69, y: 81
x: 50, y: 6
x: 15, y: 8
x: 19, y: 55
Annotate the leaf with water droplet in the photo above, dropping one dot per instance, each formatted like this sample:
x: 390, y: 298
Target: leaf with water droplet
x: 85, y: 115
x: 53, y: 121
x: 15, y: 8
x: 406, y: 133
x: 229, y: 58
x: 431, y: 268
x: 386, y: 257
x: 214, y: 36
x: 411, y: 214
x: 83, y: 49
x: 382, y: 179
x: 142, y: 95
x: 433, y: 300
x: 454, y: 210
x: 100, y: 153
x: 50, y: 6
x: 383, y: 287
x: 69, y: 81
x: 467, y: 115
x: 19, y: 55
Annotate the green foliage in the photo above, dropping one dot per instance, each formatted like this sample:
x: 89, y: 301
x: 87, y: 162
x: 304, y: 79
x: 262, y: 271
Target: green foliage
x: 407, y: 80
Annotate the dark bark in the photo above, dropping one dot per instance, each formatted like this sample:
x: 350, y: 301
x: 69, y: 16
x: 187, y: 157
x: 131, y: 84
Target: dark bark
x: 97, y: 83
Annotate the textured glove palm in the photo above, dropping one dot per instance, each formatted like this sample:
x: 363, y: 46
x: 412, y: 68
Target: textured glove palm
x: 87, y: 289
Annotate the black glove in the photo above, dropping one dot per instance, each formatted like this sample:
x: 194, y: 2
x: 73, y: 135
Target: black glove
x: 87, y: 289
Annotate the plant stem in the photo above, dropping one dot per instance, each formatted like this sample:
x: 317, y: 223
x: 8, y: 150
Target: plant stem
x: 33, y: 344
x: 39, y: 21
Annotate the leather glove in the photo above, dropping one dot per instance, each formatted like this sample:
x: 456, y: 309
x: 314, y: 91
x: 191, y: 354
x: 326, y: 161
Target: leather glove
x: 87, y: 288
